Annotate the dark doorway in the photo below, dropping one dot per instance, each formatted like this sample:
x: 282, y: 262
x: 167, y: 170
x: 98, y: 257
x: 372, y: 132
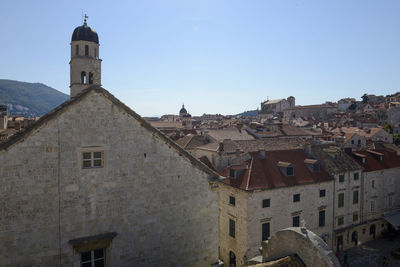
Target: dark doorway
x: 372, y: 230
x: 339, y: 243
x: 232, y: 259
x: 354, y: 238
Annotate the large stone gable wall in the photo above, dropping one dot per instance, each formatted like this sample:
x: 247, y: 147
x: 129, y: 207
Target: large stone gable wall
x: 161, y: 206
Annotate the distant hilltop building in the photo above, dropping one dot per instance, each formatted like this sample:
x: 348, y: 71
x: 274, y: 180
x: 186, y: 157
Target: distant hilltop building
x: 345, y: 103
x: 277, y: 105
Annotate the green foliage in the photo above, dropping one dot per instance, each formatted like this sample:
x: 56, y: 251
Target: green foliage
x: 353, y: 106
x: 37, y: 97
x: 364, y: 98
x: 388, y: 128
x: 396, y: 139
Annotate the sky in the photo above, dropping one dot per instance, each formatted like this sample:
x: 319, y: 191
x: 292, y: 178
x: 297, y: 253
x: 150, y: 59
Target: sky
x: 215, y: 56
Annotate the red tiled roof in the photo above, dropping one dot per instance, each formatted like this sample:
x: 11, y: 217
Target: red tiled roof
x: 373, y: 162
x: 264, y: 173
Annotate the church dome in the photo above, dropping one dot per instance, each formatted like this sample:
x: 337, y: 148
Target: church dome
x: 183, y: 110
x: 85, y: 33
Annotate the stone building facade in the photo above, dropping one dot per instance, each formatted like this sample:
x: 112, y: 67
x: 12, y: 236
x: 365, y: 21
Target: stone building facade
x: 255, y: 203
x: 381, y: 184
x: 93, y: 182
x: 156, y: 198
x: 277, y: 105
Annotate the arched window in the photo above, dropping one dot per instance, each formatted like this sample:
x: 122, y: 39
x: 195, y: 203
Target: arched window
x: 90, y: 78
x: 83, y: 77
x: 77, y: 50
x: 95, y: 53
x: 86, y: 50
x: 232, y: 259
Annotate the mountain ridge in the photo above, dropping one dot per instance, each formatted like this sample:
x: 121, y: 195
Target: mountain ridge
x: 29, y: 99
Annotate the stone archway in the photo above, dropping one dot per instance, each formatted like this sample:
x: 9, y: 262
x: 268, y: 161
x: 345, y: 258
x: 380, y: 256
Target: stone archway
x: 232, y: 259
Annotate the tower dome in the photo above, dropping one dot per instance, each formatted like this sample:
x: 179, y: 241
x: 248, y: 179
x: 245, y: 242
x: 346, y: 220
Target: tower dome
x: 183, y: 110
x: 85, y: 33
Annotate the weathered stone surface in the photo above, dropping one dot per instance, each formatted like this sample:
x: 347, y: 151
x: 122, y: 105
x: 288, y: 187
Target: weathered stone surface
x: 312, y: 250
x: 159, y: 203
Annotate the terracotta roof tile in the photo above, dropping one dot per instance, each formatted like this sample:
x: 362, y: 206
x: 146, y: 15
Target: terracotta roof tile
x: 264, y: 173
x: 373, y: 160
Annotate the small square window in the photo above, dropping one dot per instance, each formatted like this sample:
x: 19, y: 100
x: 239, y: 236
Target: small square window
x: 322, y: 193
x: 355, y: 176
x: 341, y: 178
x: 232, y: 201
x: 296, y: 198
x: 296, y: 221
x: 266, y: 203
x: 289, y: 171
x: 92, y: 159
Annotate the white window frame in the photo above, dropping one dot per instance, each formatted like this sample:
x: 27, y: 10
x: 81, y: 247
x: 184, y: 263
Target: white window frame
x: 92, y: 259
x: 93, y: 158
x: 92, y: 149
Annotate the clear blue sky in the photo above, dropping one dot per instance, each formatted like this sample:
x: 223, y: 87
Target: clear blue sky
x: 215, y: 56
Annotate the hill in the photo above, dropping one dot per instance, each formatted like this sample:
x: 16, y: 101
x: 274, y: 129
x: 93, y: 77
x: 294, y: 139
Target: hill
x: 29, y: 99
x: 249, y: 113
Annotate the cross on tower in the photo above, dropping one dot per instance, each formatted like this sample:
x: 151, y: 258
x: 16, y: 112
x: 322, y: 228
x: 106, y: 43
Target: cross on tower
x: 84, y: 21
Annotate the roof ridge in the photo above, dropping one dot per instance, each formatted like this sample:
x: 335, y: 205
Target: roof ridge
x: 61, y: 108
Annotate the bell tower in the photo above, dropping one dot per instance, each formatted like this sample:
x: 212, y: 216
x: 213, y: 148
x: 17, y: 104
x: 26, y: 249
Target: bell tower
x: 85, y: 64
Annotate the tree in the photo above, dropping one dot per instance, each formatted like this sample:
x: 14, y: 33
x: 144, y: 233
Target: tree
x: 353, y: 106
x: 364, y: 98
x: 396, y: 139
x: 388, y: 128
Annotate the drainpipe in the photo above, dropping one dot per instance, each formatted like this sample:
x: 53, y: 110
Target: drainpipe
x: 362, y: 197
x: 333, y: 210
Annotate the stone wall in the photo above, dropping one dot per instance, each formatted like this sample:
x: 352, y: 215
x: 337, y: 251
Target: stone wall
x: 238, y: 213
x: 379, y: 186
x: 249, y: 215
x: 282, y: 209
x: 159, y: 204
x: 312, y: 250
